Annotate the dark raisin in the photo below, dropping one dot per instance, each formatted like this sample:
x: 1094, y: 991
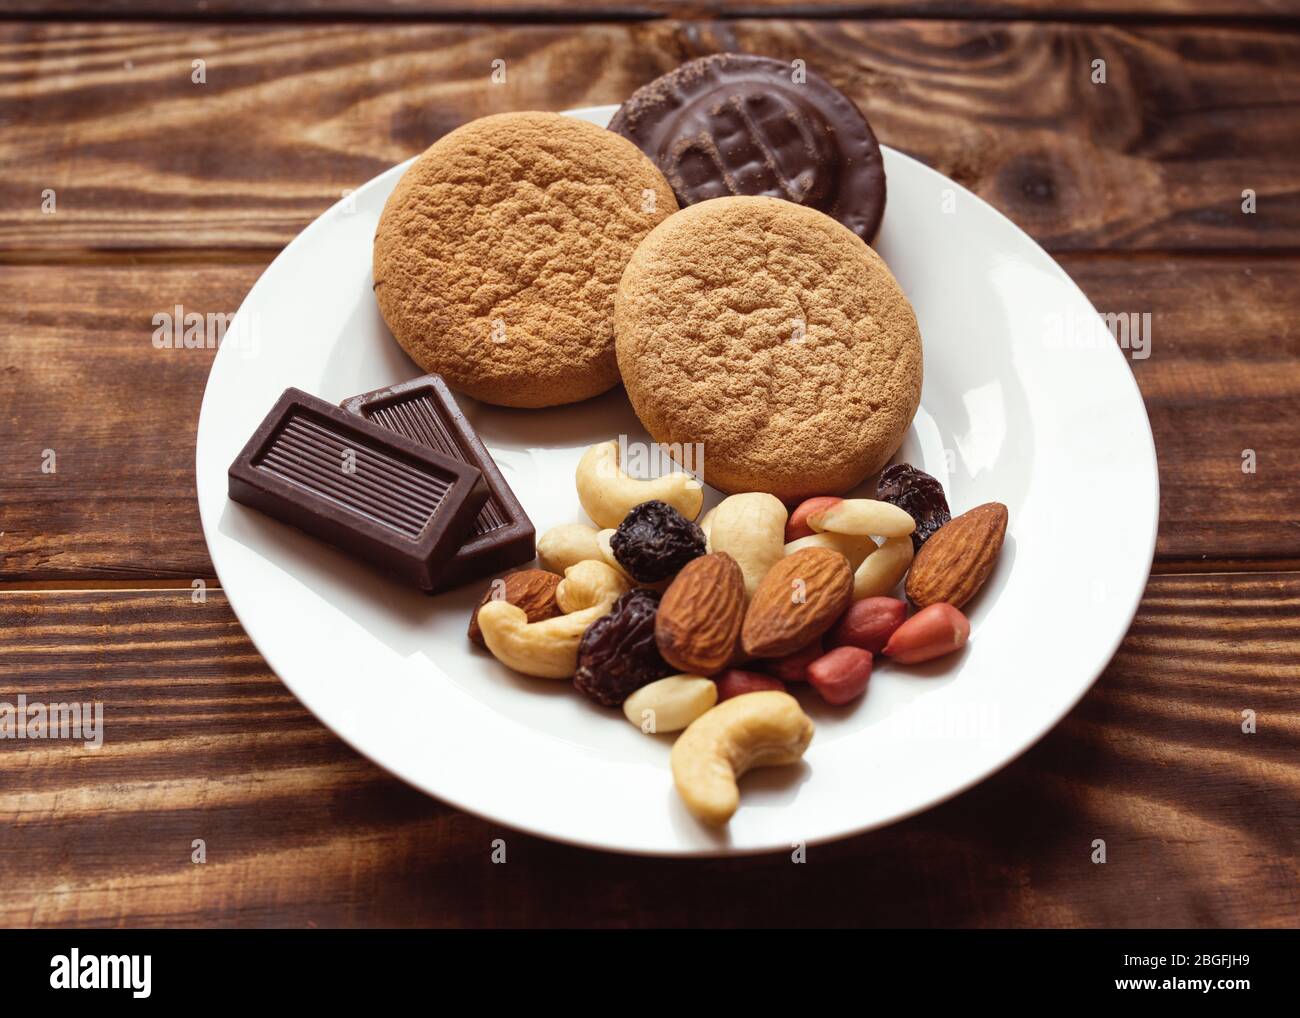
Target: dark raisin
x: 618, y: 654
x: 654, y: 541
x: 919, y: 494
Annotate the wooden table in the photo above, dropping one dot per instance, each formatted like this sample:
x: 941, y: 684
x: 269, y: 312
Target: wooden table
x: 168, y: 191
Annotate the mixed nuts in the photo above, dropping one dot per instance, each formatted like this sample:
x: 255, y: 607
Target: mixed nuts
x: 702, y: 627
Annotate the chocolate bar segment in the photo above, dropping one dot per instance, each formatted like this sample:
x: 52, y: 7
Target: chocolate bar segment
x: 384, y: 498
x: 424, y: 410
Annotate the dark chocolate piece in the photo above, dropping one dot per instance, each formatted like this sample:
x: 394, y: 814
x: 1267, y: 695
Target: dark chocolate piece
x: 425, y: 411
x: 734, y: 123
x: 382, y: 497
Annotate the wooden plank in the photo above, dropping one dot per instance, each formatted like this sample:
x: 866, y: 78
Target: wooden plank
x: 1222, y: 390
x: 139, y: 156
x: 598, y: 10
x: 85, y: 392
x: 202, y: 742
x: 80, y: 376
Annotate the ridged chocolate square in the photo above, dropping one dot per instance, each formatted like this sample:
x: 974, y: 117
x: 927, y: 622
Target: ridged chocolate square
x: 424, y: 410
x: 393, y: 502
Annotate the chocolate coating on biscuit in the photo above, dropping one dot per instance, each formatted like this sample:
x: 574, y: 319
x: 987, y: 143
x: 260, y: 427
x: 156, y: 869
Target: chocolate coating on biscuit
x: 737, y: 124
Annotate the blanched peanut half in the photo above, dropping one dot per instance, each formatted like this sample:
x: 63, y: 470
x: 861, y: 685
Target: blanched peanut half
x: 763, y: 729
x: 706, y: 524
x: 854, y: 547
x: 548, y: 649
x: 607, y: 493
x: 751, y: 529
x: 607, y: 552
x: 864, y: 516
x: 670, y: 704
x: 590, y: 583
x: 566, y: 545
x: 881, y: 571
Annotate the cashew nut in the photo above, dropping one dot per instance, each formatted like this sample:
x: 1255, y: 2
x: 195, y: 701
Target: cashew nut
x: 761, y: 729
x: 670, y: 704
x: 864, y: 516
x: 566, y: 545
x: 548, y: 649
x: 589, y: 583
x: 881, y: 571
x: 853, y: 547
x: 607, y: 493
x: 751, y: 529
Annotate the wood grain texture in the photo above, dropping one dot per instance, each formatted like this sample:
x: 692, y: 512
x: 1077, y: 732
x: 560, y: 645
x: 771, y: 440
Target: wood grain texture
x: 79, y: 375
x: 173, y: 193
x: 1222, y: 391
x: 202, y: 742
x: 81, y: 382
x: 290, y: 116
x: 604, y: 10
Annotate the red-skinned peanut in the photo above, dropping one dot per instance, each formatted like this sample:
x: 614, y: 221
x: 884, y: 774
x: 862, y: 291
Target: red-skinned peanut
x: 841, y: 675
x: 868, y: 624
x: 737, y: 682
x: 797, y: 525
x: 932, y: 632
x: 794, y: 667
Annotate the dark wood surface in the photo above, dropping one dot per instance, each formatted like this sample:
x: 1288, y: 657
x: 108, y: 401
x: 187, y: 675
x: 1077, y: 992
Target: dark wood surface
x: 1280, y: 11
x: 170, y: 192
x: 206, y: 743
x: 291, y: 115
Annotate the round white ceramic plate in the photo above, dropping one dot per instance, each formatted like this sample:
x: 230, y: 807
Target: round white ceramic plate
x: 1025, y: 402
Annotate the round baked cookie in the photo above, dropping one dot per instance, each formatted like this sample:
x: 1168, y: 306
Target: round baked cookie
x: 498, y: 255
x: 777, y: 338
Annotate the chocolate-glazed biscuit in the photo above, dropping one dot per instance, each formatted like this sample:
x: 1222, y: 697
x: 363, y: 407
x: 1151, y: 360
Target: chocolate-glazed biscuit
x: 736, y: 124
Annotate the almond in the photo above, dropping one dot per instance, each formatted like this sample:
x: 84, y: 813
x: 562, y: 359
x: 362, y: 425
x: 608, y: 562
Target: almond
x: 801, y: 597
x: 700, y: 615
x: 953, y: 564
x: 533, y: 590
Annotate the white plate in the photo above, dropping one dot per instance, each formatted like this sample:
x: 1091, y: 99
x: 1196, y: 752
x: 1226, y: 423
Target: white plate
x: 1016, y: 408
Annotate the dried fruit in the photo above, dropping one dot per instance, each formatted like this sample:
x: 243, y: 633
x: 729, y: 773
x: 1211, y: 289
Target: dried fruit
x: 798, y: 600
x: 841, y: 675
x: 797, y: 525
x: 618, y: 654
x: 533, y: 590
x: 794, y: 667
x: 654, y: 541
x: 920, y: 494
x: 737, y: 682
x: 932, y: 632
x: 700, y: 615
x: 868, y: 623
x: 955, y: 562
